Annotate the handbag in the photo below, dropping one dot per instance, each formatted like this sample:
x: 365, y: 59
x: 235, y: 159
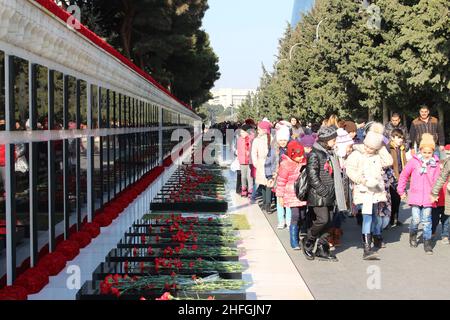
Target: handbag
x: 301, y: 185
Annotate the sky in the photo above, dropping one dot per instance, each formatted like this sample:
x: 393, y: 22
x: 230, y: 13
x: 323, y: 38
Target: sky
x: 244, y: 34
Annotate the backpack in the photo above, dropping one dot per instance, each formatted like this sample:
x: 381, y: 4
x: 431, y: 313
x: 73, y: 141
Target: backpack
x: 301, y: 185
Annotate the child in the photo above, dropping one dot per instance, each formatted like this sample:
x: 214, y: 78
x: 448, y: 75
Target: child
x: 398, y: 152
x: 288, y: 173
x: 282, y: 136
x: 365, y: 168
x: 424, y: 170
x: 307, y: 141
x: 441, y: 194
x: 244, y: 144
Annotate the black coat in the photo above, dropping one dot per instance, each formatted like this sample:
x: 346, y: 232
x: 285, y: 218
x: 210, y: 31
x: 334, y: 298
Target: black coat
x: 320, y: 182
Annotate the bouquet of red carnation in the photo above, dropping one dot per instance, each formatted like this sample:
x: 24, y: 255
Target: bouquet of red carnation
x: 54, y: 263
x: 70, y: 249
x: 13, y: 293
x: 92, y: 228
x: 112, y: 211
x: 82, y: 238
x: 33, y: 280
x: 103, y: 220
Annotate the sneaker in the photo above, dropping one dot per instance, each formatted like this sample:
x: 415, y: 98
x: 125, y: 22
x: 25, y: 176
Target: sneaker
x: 297, y: 248
x: 445, y: 240
x: 281, y: 227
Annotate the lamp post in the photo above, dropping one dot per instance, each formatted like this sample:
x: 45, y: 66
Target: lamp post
x: 318, y: 29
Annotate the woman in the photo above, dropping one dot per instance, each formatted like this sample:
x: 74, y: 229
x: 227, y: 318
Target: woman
x: 260, y: 153
x: 325, y: 187
x: 297, y: 130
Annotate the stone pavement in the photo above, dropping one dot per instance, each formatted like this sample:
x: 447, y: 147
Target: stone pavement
x: 404, y: 273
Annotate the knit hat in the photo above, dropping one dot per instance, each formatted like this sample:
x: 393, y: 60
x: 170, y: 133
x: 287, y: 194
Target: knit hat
x: 374, y: 138
x: 350, y: 126
x: 327, y: 133
x: 265, y: 125
x: 308, y: 140
x: 295, y: 149
x: 283, y: 133
x: 342, y: 141
x: 427, y: 141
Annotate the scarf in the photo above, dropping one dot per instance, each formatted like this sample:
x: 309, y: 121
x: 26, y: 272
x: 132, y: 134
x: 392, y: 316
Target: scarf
x: 337, y: 177
x: 399, y: 156
x: 425, y: 163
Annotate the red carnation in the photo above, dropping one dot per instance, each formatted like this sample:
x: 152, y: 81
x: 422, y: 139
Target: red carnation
x: 92, y: 228
x: 13, y: 293
x: 54, y: 263
x: 150, y: 250
x: 33, y: 280
x: 103, y: 220
x: 135, y: 252
x: 70, y: 249
x: 82, y: 238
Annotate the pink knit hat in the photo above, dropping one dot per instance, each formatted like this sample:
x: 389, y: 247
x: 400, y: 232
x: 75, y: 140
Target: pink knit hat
x: 342, y: 141
x: 265, y: 125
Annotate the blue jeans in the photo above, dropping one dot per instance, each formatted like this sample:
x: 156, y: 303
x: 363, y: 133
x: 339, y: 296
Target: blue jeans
x: 374, y: 223
x: 421, y: 215
x: 280, y: 213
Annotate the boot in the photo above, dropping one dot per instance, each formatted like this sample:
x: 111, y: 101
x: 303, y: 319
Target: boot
x: 428, y: 246
x: 323, y: 252
x: 308, y: 247
x: 378, y: 242
x: 367, y: 243
x: 294, y: 235
x: 413, y: 239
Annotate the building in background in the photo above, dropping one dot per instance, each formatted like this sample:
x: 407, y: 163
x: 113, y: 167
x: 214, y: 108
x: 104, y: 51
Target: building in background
x: 229, y: 97
x: 299, y: 7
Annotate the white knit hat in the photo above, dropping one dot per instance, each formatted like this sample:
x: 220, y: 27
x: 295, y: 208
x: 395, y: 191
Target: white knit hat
x: 283, y: 133
x: 374, y: 138
x: 342, y: 141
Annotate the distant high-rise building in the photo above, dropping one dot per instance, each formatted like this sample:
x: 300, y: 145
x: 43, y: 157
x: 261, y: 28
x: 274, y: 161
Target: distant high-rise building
x: 230, y: 97
x: 299, y: 7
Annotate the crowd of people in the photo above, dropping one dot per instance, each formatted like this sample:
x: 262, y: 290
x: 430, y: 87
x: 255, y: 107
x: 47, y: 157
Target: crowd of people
x: 314, y: 177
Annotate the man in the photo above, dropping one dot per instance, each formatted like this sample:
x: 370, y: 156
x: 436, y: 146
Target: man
x: 426, y: 124
x: 395, y: 123
x: 360, y: 130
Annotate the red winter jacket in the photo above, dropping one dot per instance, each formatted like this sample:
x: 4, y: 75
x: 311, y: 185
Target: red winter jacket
x: 288, y: 173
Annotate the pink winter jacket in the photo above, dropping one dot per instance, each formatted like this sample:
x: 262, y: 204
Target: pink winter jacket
x: 244, y: 147
x: 421, y: 184
x: 288, y: 173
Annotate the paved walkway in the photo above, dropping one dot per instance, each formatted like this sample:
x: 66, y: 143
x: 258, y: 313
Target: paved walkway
x: 402, y: 273
x: 269, y: 267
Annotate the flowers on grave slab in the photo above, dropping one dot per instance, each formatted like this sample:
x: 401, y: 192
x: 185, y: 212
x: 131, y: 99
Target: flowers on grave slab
x: 119, y: 286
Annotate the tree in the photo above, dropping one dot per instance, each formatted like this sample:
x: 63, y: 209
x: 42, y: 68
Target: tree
x: 162, y: 37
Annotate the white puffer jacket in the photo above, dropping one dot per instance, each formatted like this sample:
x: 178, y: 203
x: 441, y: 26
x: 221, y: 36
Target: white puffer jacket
x: 361, y: 166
